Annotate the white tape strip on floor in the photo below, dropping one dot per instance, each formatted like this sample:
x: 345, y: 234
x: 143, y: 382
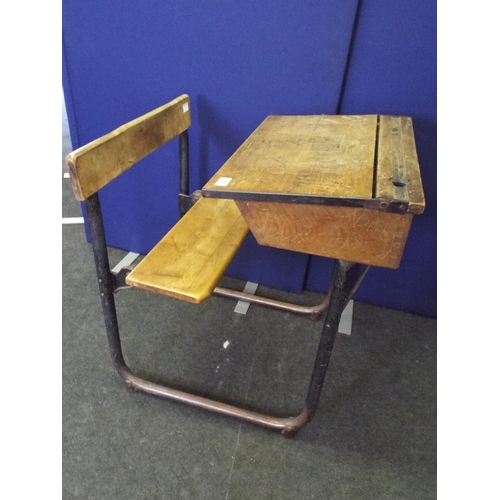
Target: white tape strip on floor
x: 345, y: 325
x: 242, y: 306
x: 72, y: 220
x: 126, y: 261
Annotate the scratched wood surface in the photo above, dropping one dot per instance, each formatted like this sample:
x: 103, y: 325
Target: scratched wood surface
x: 318, y: 155
x: 92, y: 166
x: 190, y: 260
x: 355, y: 234
x: 398, y: 171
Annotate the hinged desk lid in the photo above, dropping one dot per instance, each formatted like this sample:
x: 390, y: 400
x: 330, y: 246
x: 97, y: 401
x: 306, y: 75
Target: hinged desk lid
x: 348, y: 160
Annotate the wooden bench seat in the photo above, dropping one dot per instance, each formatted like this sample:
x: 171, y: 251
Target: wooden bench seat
x: 190, y: 260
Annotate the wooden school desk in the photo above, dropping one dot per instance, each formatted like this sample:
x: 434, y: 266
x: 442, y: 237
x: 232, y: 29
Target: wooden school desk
x: 344, y: 187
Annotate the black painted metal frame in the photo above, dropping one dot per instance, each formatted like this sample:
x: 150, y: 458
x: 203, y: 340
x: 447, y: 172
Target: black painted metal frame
x: 341, y: 290
x: 343, y: 275
x: 384, y: 205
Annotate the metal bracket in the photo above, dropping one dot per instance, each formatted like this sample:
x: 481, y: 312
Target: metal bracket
x: 119, y: 279
x: 384, y: 204
x: 186, y: 201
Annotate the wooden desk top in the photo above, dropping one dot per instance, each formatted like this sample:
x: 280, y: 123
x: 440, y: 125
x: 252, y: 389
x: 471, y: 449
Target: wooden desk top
x: 321, y: 159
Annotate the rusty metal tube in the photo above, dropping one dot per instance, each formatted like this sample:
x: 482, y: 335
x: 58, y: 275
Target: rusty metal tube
x: 289, y: 425
x: 314, y: 312
x: 356, y: 285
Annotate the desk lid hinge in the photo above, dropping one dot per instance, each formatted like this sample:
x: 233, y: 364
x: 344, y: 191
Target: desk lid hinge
x: 382, y: 204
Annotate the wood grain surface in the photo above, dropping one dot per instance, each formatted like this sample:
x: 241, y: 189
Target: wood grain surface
x: 92, y: 166
x: 318, y: 155
x: 190, y: 260
x: 398, y: 171
x: 354, y: 234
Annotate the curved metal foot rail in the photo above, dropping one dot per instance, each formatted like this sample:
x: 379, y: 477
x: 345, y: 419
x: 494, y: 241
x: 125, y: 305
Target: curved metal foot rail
x: 343, y: 274
x: 288, y: 426
x: 314, y: 313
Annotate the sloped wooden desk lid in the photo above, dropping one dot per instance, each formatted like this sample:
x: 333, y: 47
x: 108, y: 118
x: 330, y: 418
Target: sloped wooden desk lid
x: 367, y: 161
x: 344, y: 187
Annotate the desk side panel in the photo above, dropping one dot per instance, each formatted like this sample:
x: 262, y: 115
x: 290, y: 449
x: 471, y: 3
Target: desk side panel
x: 354, y: 234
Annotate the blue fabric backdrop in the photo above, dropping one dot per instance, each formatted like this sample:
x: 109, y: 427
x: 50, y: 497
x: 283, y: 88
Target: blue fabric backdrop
x: 239, y: 62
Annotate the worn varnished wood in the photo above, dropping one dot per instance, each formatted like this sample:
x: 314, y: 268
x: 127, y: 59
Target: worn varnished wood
x: 362, y: 157
x: 92, y: 166
x: 397, y: 169
x: 189, y: 261
x: 354, y: 234
x: 316, y: 155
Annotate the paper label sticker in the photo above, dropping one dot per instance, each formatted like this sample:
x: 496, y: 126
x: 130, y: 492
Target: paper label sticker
x: 185, y: 107
x: 223, y: 181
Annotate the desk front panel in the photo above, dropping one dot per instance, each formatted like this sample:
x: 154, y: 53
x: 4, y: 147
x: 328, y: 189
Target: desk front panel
x: 354, y: 234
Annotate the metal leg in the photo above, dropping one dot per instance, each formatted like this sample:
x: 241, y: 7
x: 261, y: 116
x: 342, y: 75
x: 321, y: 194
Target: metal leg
x: 106, y: 286
x: 184, y: 199
x: 343, y: 273
x: 184, y: 163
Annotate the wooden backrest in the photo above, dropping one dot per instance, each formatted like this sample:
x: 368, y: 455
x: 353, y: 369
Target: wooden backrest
x: 92, y: 166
